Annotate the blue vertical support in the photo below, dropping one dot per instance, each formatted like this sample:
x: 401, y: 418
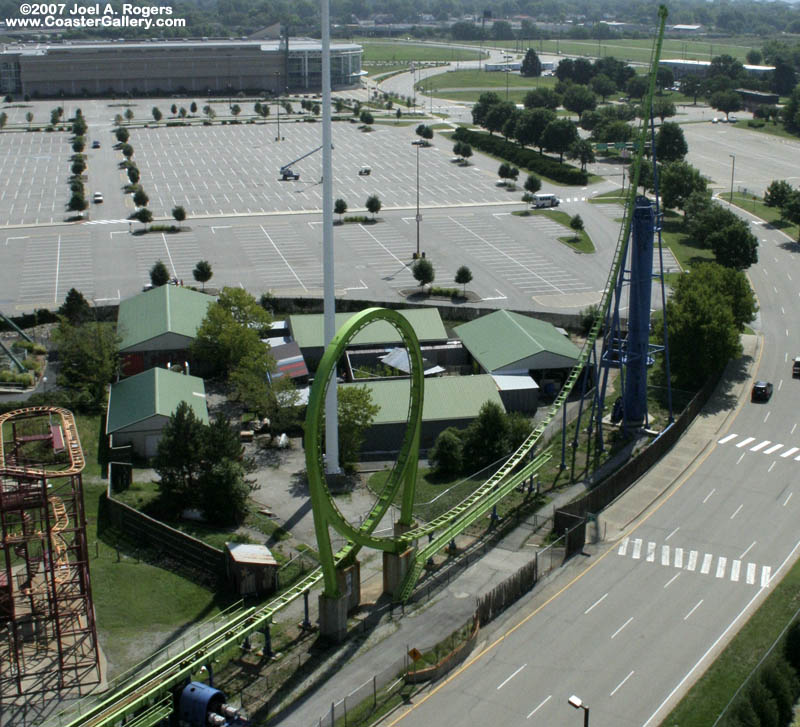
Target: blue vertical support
x: 640, y: 292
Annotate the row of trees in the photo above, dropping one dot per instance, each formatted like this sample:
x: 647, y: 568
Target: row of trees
x: 373, y: 205
x: 77, y: 201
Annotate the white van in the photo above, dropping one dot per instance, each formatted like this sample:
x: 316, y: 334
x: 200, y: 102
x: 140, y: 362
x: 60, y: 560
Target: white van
x: 545, y: 200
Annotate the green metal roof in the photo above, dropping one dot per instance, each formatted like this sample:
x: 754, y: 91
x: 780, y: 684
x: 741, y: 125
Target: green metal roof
x: 307, y: 329
x: 164, y: 309
x: 152, y: 392
x: 446, y: 397
x: 502, y: 338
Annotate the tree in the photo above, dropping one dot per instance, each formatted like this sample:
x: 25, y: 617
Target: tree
x: 128, y: 114
x: 182, y: 113
x: 665, y: 78
x: 486, y: 438
x: 576, y: 223
x: 340, y: 207
x: 778, y: 193
x: 479, y: 110
x: 224, y: 492
x: 678, y: 181
x: 692, y: 86
x: 662, y: 108
x: 202, y: 272
x: 179, y: 213
x: 236, y: 109
x: 603, y: 86
x: 373, y: 205
x: 423, y: 272
x: 637, y: 87
x: 734, y: 246
x: 519, y: 429
x: 707, y: 312
x: 122, y: 135
x: 157, y: 114
x: 670, y: 143
x: 398, y: 114
x: 579, y: 98
x: 356, y: 413
x: 78, y: 166
x: 726, y: 101
x: 504, y: 172
x: 542, y: 98
x: 179, y: 457
x: 127, y: 151
x: 447, y: 455
x: 366, y: 118
x: 559, y: 136
x: 193, y: 107
x: 583, y: 151
x: 133, y: 174
x: 466, y: 153
x: 463, y: 276
x: 140, y: 198
x: 75, y: 309
x: 77, y: 202
x: 533, y: 184
x: 173, y: 109
x: 29, y: 118
x: 531, y: 65
x: 88, y: 363
x: 159, y: 275
x: 3, y: 119
x: 78, y: 145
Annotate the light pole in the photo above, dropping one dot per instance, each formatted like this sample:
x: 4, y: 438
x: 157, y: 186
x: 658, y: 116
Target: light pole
x: 278, y: 103
x: 578, y: 703
x: 733, y: 166
x: 417, y: 143
x: 507, y: 59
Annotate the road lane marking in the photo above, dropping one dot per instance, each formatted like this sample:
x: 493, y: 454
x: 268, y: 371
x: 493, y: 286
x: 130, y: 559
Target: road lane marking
x: 697, y: 605
x: 761, y: 445
x: 786, y: 501
x: 741, y: 457
x: 735, y: 566
x: 665, y: 555
x: 746, y: 441
x: 622, y: 627
x: 679, y: 557
x: 770, y: 467
x: 500, y: 686
x: 737, y: 511
x: 541, y: 704
x: 651, y: 552
x: 598, y: 601
x: 621, y: 683
x: 709, y: 495
x: 727, y: 439
x: 750, y: 578
x: 706, y: 567
x: 765, y: 576
x: 692, y: 564
x: 672, y: 533
x: 721, y: 564
x: 671, y: 579
x: 748, y: 550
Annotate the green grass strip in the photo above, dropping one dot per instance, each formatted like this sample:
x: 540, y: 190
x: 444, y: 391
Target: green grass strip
x: 708, y: 697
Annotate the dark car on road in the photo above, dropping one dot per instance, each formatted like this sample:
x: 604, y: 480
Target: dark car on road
x: 762, y: 391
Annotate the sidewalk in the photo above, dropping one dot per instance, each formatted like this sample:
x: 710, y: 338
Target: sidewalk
x: 356, y: 661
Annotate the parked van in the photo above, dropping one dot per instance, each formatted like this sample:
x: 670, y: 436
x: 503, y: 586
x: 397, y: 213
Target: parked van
x: 545, y: 200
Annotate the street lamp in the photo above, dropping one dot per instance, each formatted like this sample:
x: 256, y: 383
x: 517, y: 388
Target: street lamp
x: 733, y: 166
x: 578, y: 703
x: 507, y: 59
x: 418, y: 144
x: 278, y: 103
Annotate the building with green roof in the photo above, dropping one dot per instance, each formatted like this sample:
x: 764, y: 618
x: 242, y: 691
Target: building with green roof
x: 140, y: 406
x: 308, y: 331
x: 450, y: 401
x: 158, y: 326
x: 510, y: 343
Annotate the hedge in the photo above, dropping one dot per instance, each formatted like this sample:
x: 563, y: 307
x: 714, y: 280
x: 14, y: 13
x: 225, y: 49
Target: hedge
x: 528, y: 159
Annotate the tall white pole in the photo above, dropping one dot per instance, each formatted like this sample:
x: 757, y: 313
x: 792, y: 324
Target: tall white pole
x: 331, y: 418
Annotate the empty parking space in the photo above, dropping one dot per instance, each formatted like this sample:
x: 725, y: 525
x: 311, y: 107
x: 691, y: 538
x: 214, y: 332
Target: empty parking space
x: 34, y: 170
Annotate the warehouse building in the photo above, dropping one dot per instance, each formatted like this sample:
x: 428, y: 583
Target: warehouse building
x: 139, y: 407
x: 158, y: 327
x: 163, y: 67
x: 450, y: 401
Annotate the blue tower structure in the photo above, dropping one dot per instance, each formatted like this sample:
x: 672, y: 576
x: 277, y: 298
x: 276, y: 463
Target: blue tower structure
x: 637, y: 347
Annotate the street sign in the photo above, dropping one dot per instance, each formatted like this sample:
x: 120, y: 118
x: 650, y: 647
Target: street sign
x: 415, y: 654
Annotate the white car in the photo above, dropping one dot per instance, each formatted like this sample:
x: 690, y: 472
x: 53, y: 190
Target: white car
x: 715, y: 120
x: 98, y: 197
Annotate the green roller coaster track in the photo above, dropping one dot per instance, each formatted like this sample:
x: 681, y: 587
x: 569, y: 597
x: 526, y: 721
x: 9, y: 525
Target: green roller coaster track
x: 146, y: 696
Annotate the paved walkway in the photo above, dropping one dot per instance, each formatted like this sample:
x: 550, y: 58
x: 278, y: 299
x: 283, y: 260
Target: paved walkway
x: 382, y: 647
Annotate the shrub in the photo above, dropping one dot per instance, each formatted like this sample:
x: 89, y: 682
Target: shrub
x: 529, y: 159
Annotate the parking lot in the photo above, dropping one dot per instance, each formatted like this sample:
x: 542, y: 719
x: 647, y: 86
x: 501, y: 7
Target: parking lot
x: 224, y: 170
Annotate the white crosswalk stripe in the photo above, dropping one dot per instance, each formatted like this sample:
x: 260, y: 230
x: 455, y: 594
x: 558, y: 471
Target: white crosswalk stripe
x: 692, y: 564
x: 679, y: 557
x: 665, y: 555
x: 721, y: 565
x: 764, y: 447
x: 765, y: 575
x: 651, y: 552
x: 789, y: 452
x: 735, y: 566
x: 751, y: 574
x: 759, y: 446
x: 745, y: 442
x: 623, y: 546
x: 706, y: 567
x: 637, y: 549
x: 106, y: 222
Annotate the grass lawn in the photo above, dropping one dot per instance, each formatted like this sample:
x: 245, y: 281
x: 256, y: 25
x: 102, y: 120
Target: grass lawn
x: 769, y: 127
x: 706, y: 699
x: 580, y: 242
x: 403, y: 53
x: 772, y: 215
